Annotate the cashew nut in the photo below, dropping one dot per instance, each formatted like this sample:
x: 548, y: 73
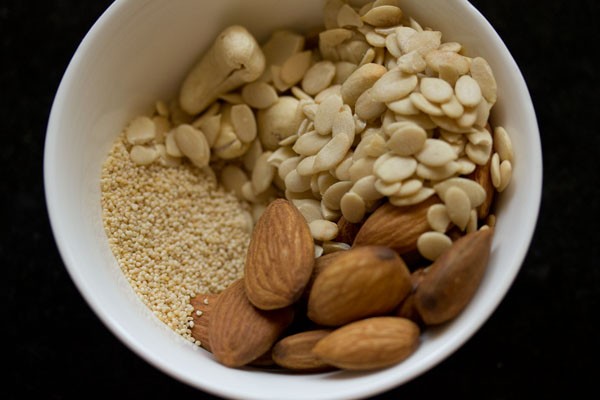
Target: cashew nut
x: 234, y: 59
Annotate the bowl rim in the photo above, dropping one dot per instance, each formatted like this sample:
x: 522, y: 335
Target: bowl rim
x: 130, y: 341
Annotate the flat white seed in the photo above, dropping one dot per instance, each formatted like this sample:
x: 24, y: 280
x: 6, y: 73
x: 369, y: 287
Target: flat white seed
x: 333, y: 247
x: 449, y: 124
x: 425, y: 121
x: 318, y: 77
x: 375, y: 146
x: 323, y: 230
x: 483, y: 113
x: 479, y: 154
x: 233, y: 150
x: 288, y: 141
x: 482, y: 73
x: 378, y: 3
x: 243, y: 122
x: 297, y: 183
x: 332, y: 153
x: 280, y: 155
x: 140, y: 130
x: 360, y: 80
x: 162, y: 125
x: 467, y: 91
x: 431, y: 245
x: 192, y: 144
x: 329, y: 214
x: 253, y: 153
x: 458, y: 206
x: 331, y: 10
x: 387, y: 189
x: 394, y: 85
x: 171, y: 146
x: 324, y: 181
x: 407, y: 140
x: 314, y: 186
x: 495, y: 170
x: 506, y: 174
x: 436, y: 90
x: 259, y: 94
x: 503, y: 144
x: 301, y: 94
x: 294, y: 68
x: 343, y: 123
x: 411, y: 63
x: 423, y: 42
x: 383, y: 16
x: 326, y: 113
x: 421, y: 102
x: 347, y: 16
x: 452, y: 108
x: 343, y: 70
x: 473, y: 189
x: 310, y: 111
x: 334, y: 90
x: 375, y: 39
x: 318, y: 251
x: 365, y: 188
x: 333, y: 194
x: 465, y: 166
x: 403, y: 107
x: 281, y: 45
x: 263, y: 173
x: 480, y: 137
x: 437, y: 173
x: 391, y: 44
x: 381, y: 159
x: 423, y: 194
x: 396, y: 169
x: 310, y: 143
x: 164, y: 159
x: 361, y: 168
x: 309, y: 208
x: 472, y: 224
x: 367, y: 57
x: 449, y: 73
x: 233, y: 178
x: 232, y: 98
x: 436, y: 58
x: 288, y: 166
x: 143, y: 155
x: 409, y: 187
x: 330, y: 39
x: 279, y: 83
x: 342, y: 171
x: 435, y: 153
x: 367, y: 108
x: 437, y: 217
x: 257, y: 212
x: 210, y: 126
x: 403, y: 33
x: 353, y: 207
x: 306, y: 167
x: 353, y: 51
x: 468, y: 118
x: 162, y: 108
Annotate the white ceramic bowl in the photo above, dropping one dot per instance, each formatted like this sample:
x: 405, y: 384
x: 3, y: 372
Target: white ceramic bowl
x: 138, y: 52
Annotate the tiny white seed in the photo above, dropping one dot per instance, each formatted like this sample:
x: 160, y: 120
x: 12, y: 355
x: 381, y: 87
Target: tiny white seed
x: 323, y: 230
x: 432, y: 244
x: 458, y: 206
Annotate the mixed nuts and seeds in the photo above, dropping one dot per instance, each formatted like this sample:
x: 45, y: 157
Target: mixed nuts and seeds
x: 362, y: 170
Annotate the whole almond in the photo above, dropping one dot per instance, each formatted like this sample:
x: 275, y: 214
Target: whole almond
x: 238, y: 332
x: 452, y: 280
x: 320, y: 264
x: 280, y: 257
x: 407, y: 308
x: 370, y: 343
x: 396, y: 227
x: 360, y: 282
x: 203, y: 304
x: 295, y: 352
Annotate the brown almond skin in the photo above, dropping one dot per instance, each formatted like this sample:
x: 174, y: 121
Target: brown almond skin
x: 482, y: 175
x: 359, y: 283
x: 347, y: 231
x: 280, y: 257
x: 200, y: 328
x: 295, y: 352
x: 452, y: 280
x: 369, y: 344
x: 239, y: 332
x: 407, y: 308
x: 396, y: 227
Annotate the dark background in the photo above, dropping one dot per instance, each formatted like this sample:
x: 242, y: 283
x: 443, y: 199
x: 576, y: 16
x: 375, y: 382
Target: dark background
x: 540, y: 343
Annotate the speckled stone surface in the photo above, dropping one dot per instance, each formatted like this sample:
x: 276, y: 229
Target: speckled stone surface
x: 541, y: 341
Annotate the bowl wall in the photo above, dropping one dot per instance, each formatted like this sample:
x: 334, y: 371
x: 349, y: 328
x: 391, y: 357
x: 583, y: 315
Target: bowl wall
x: 137, y: 53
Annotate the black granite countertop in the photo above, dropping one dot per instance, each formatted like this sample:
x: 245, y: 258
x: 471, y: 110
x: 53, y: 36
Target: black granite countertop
x: 540, y: 343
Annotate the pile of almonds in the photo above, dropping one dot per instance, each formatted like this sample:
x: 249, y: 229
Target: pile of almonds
x: 358, y: 309
x: 365, y: 152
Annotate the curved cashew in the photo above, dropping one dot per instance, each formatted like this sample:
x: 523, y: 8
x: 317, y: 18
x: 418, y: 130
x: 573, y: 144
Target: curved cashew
x: 235, y: 58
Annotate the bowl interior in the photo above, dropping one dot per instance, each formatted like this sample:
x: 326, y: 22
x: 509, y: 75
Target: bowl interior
x: 137, y: 53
